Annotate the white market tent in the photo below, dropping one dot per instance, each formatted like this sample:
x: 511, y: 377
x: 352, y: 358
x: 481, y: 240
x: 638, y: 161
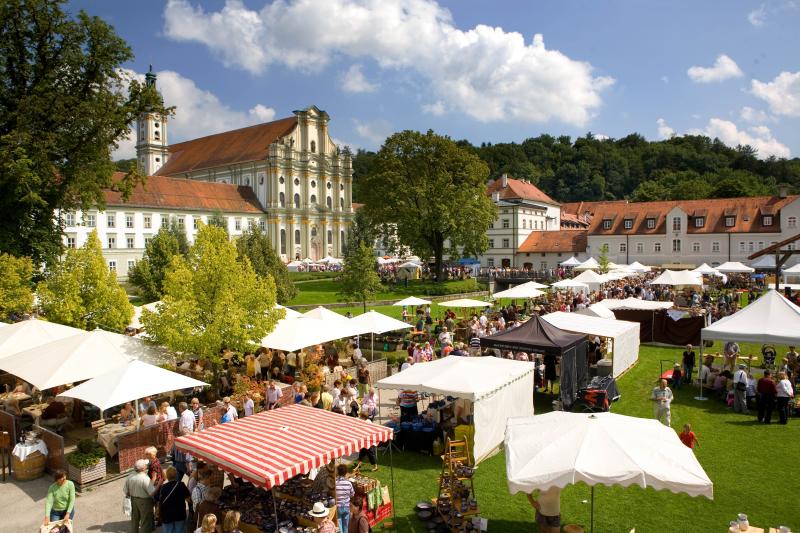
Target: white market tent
x: 409, y: 265
x: 591, y: 278
x: 295, y: 266
x: 374, y: 322
x: 677, y: 278
x: 793, y: 270
x: 705, y: 270
x: 571, y: 262
x: 130, y: 382
x: 765, y: 262
x: 465, y: 302
x: 634, y: 304
x: 589, y: 264
x: 412, y: 301
x: 636, y: 266
x: 498, y: 388
x: 294, y: 334
x: 329, y: 260
x: 559, y: 448
x: 525, y: 290
x: 733, y: 267
x: 290, y: 313
x: 770, y: 319
x: 571, y: 284
x: 322, y: 313
x: 21, y: 336
x: 599, y: 311
x: 624, y: 335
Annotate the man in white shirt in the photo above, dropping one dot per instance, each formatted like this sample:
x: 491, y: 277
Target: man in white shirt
x: 273, y: 395
x: 662, y: 396
x: 740, y: 390
x: 445, y: 337
x: 249, y: 406
x: 230, y: 409
x: 186, y: 424
x: 548, y: 509
x: 408, y: 363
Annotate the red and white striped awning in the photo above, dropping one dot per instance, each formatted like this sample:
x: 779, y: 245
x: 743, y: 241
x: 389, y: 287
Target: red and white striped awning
x: 271, y: 447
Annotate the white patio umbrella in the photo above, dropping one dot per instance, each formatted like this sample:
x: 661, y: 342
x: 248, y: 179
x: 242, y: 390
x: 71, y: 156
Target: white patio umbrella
x: 636, y: 266
x: 465, y: 303
x: 678, y: 277
x: 525, y: 290
x: 764, y: 262
x: 290, y: 313
x: 570, y: 284
x: 571, y: 262
x: 559, y: 448
x: 705, y: 270
x: 373, y: 322
x: 136, y: 321
x: 590, y: 276
x: 589, y: 264
x: 409, y: 265
x: 28, y: 334
x: 294, y: 334
x: 330, y: 260
x: 322, y: 313
x: 732, y: 267
x: 412, y: 301
x: 130, y: 382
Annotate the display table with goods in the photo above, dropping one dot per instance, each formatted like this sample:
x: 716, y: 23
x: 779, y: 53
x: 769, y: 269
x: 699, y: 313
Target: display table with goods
x: 109, y: 434
x: 280, y: 451
x: 456, y: 503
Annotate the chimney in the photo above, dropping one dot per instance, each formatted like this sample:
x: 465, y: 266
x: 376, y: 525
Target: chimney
x: 504, y: 180
x: 495, y: 197
x: 783, y: 190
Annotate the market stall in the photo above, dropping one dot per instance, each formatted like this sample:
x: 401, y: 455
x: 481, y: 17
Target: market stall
x: 624, y: 335
x: 289, y: 452
x: 538, y: 336
x: 494, y: 388
x: 659, y: 321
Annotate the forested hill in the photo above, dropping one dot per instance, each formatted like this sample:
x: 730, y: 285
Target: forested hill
x: 588, y: 168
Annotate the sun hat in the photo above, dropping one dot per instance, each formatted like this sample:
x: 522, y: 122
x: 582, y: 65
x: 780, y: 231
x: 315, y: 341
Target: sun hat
x: 319, y: 510
x: 742, y: 365
x: 677, y: 365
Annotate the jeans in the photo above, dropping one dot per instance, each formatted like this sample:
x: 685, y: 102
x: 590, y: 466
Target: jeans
x: 687, y: 373
x: 766, y: 403
x: 344, y: 517
x: 174, y: 527
x: 59, y: 515
x: 783, y: 409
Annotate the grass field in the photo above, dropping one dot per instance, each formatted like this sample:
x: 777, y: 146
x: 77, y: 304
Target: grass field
x: 325, y: 291
x: 753, y: 468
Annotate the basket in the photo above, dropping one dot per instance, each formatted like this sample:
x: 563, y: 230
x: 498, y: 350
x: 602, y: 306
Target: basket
x: 81, y: 476
x: 31, y: 468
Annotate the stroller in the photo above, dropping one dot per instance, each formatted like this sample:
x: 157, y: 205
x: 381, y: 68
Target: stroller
x: 591, y: 401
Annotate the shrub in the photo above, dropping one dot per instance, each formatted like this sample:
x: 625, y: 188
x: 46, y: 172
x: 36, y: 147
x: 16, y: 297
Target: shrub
x: 88, y: 454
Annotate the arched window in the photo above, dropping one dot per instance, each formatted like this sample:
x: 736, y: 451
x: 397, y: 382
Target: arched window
x: 313, y: 198
x: 313, y: 147
x: 296, y: 237
x: 296, y: 181
x: 283, y: 240
x: 297, y: 200
x: 329, y: 202
x: 341, y: 203
x: 314, y: 231
x: 282, y: 199
x: 313, y: 184
x: 329, y: 185
x: 281, y: 180
x: 157, y: 136
x: 330, y: 236
x: 341, y: 239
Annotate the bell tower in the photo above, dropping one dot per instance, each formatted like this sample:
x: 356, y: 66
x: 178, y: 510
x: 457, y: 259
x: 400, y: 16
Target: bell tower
x: 151, y: 135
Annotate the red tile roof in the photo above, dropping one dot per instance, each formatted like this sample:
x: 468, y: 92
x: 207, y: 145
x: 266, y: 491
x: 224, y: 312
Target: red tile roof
x: 161, y: 192
x: 748, y: 213
x: 518, y: 189
x: 237, y: 146
x: 554, y: 241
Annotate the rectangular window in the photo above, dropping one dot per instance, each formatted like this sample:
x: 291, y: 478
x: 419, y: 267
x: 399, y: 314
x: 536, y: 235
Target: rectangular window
x: 695, y: 247
x: 699, y: 222
x: 751, y: 246
x: 131, y: 264
x: 676, y: 223
x: 237, y: 224
x: 148, y: 221
x: 791, y: 222
x: 742, y: 246
x: 129, y: 221
x: 112, y: 242
x: 606, y: 224
x: 766, y: 220
x: 490, y: 262
x: 262, y: 224
x: 491, y: 243
x: 181, y: 223
x: 543, y: 265
x: 623, y: 247
x: 505, y: 223
x: 111, y: 220
x: 147, y: 240
x: 790, y: 246
x: 70, y: 242
x: 194, y: 222
x: 164, y: 221
x: 506, y: 243
x: 730, y: 222
x: 69, y: 219
x: 676, y: 245
x: 112, y: 266
x: 657, y: 247
x: 628, y: 224
x: 651, y: 223
x: 130, y: 241
x: 91, y: 220
x: 760, y: 245
x: 715, y: 247
x: 639, y: 248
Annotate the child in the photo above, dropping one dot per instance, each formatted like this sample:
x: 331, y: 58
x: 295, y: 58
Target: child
x: 688, y: 437
x: 677, y: 376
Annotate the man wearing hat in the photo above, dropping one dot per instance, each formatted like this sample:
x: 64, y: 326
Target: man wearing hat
x: 319, y: 513
x: 740, y: 390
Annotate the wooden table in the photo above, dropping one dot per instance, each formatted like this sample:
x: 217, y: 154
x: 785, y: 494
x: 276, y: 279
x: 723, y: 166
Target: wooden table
x: 108, y: 435
x: 35, y: 411
x: 19, y: 396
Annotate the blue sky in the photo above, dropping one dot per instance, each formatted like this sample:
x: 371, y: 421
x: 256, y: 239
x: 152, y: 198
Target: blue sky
x: 473, y: 69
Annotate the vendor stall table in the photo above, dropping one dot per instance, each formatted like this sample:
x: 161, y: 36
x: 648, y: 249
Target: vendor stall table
x: 19, y: 396
x: 35, y: 411
x: 109, y: 434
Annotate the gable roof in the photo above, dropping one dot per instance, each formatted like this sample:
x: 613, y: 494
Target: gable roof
x: 554, y: 241
x: 162, y: 192
x: 518, y: 190
x: 237, y: 146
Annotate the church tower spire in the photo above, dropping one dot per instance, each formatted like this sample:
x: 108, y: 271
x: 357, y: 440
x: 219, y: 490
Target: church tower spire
x: 151, y: 135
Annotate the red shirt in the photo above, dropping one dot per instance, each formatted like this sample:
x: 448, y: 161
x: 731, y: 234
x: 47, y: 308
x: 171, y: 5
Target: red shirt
x: 766, y: 387
x: 689, y: 439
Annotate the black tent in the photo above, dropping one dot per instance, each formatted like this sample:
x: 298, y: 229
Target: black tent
x: 538, y: 336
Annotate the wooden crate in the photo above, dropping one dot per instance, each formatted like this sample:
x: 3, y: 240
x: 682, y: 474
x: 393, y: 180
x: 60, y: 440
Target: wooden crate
x: 82, y: 476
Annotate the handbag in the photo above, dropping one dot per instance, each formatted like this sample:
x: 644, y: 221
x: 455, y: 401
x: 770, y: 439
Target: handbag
x: 126, y: 506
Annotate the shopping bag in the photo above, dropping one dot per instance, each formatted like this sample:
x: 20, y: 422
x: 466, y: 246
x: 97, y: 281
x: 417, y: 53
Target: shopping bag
x: 385, y: 494
x: 126, y: 506
x: 59, y: 526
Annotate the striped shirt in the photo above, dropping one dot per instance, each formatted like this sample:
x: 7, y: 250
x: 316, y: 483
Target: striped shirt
x: 344, y: 491
x: 475, y: 342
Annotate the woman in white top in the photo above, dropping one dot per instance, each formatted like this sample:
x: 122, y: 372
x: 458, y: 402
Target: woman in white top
x: 150, y: 418
x: 785, y: 392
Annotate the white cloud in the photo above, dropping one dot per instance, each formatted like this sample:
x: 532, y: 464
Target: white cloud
x: 601, y: 136
x: 758, y: 17
x: 724, y: 68
x: 781, y: 94
x: 664, y: 131
x: 484, y: 72
x: 753, y: 116
x: 437, y: 108
x: 758, y: 137
x: 354, y: 81
x: 375, y: 132
x: 197, y: 112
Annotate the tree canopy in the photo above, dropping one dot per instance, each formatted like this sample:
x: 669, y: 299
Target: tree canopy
x: 255, y: 246
x: 64, y: 103
x: 16, y: 286
x: 148, y: 274
x: 212, y: 300
x: 82, y: 292
x: 433, y: 193
x: 359, y: 279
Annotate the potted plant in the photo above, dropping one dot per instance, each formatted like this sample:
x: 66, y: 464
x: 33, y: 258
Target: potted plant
x: 87, y: 463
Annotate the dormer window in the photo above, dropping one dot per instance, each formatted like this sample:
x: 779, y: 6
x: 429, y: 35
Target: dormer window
x: 699, y: 222
x: 651, y: 223
x: 730, y: 221
x: 628, y: 223
x: 766, y: 220
x: 607, y: 224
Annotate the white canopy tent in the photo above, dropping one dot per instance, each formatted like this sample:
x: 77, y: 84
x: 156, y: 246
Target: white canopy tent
x: 373, y: 322
x: 465, y: 303
x: 765, y: 262
x: 677, y: 278
x: 589, y: 264
x: 559, y: 448
x: 624, y: 335
x: 294, y: 334
x: 571, y: 284
x: 412, y: 301
x: 329, y: 260
x: 136, y: 321
x: 705, y: 270
x: 295, y: 266
x: 597, y: 310
x: 636, y: 266
x: 634, y: 304
x: 734, y: 267
x: 793, y: 270
x: 130, y: 382
x: 525, y: 290
x: 21, y: 336
x: 571, y: 262
x: 290, y: 313
x: 498, y: 388
x: 322, y: 313
x: 591, y: 278
x: 770, y: 319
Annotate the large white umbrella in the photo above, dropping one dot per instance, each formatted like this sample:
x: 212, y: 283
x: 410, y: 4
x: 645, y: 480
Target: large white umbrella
x: 733, y: 267
x: 557, y: 449
x: 636, y: 266
x: 571, y: 262
x: 373, y: 322
x: 570, y: 284
x: 130, y: 382
x: 412, y: 301
x: 409, y: 265
x: 525, y: 290
x: 705, y: 270
x: 76, y: 358
x: 294, y: 334
x: 465, y: 303
x: 27, y: 334
x: 764, y: 262
x: 678, y: 278
x: 290, y: 313
x: 589, y: 264
x: 322, y: 313
x: 330, y: 260
x: 136, y: 321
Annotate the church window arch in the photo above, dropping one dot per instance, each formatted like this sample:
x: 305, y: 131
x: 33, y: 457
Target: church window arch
x: 329, y: 202
x: 297, y: 236
x: 297, y: 200
x: 313, y: 146
x: 329, y: 185
x: 330, y: 236
x: 296, y: 181
x: 283, y: 240
x: 313, y: 184
x: 282, y: 199
x: 313, y: 198
x: 313, y: 231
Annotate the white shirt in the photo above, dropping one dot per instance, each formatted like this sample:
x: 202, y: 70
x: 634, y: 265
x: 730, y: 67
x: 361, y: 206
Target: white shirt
x: 248, y: 407
x: 357, y: 354
x: 172, y: 414
x: 404, y: 366
x: 550, y: 502
x: 740, y: 377
x: 186, y: 424
x: 785, y: 389
x: 233, y: 412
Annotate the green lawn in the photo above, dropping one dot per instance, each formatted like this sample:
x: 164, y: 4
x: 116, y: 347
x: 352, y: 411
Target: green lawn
x: 753, y: 468
x: 325, y: 291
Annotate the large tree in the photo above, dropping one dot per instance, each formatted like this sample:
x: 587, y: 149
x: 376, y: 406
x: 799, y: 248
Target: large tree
x: 359, y: 279
x: 212, y: 300
x: 82, y: 292
x: 255, y: 245
x: 64, y: 104
x: 16, y: 286
x: 433, y: 192
x: 148, y: 274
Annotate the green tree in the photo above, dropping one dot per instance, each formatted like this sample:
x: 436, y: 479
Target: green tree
x: 148, y: 274
x: 255, y: 246
x: 64, y: 103
x: 359, y: 279
x: 16, y: 285
x: 218, y: 219
x: 602, y: 260
x: 212, y: 300
x: 82, y: 292
x: 433, y: 192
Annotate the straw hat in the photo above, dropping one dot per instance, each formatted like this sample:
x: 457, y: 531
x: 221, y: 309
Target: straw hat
x: 319, y: 510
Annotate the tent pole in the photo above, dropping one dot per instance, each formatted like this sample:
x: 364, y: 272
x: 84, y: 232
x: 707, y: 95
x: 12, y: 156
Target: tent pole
x: 391, y: 473
x: 699, y: 369
x: 372, y: 346
x: 274, y: 506
x: 591, y: 527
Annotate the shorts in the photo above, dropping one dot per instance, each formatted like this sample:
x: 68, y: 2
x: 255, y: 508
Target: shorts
x: 548, y: 521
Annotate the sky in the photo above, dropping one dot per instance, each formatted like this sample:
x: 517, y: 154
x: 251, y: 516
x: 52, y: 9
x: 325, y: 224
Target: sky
x: 482, y: 70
